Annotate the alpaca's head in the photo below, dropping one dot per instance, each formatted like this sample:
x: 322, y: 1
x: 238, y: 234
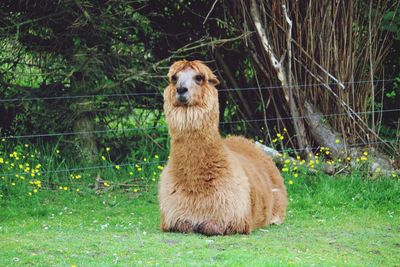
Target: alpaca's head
x: 191, y: 99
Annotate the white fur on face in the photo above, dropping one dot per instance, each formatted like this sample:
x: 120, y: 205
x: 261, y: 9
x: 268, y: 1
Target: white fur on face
x: 186, y: 78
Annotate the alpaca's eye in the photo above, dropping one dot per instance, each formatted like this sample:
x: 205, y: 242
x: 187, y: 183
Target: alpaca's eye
x: 199, y: 78
x: 174, y: 78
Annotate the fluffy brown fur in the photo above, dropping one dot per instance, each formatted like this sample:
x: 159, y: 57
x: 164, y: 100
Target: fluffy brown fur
x: 211, y: 185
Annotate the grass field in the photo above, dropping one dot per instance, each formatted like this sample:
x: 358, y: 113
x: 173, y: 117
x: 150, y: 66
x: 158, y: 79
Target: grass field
x: 331, y: 221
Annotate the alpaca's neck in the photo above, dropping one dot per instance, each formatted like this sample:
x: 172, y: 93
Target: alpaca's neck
x: 194, y: 153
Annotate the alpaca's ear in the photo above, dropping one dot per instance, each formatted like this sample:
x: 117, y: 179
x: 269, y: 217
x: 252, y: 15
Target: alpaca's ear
x: 213, y: 80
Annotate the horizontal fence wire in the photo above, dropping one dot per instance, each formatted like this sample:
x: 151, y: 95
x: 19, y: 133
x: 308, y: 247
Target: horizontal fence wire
x: 165, y: 127
x: 160, y: 93
x: 132, y: 164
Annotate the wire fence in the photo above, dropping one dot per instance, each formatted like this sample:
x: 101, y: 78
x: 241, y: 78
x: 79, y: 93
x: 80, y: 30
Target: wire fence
x: 158, y: 162
x: 105, y: 131
x: 164, y: 127
x: 159, y: 93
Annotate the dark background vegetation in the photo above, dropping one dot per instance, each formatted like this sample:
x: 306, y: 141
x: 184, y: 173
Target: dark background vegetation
x: 117, y: 53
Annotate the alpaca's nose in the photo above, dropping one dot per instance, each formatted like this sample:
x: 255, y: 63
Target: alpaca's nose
x: 181, y: 90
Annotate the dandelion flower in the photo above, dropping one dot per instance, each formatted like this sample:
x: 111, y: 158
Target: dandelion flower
x: 77, y: 190
x: 285, y: 169
x: 136, y: 190
x: 156, y: 156
x: 364, y: 158
x: 117, y: 167
x: 35, y: 190
x: 103, y: 158
x: 1, y: 160
x: 160, y: 167
x: 365, y: 153
x: 337, y: 141
x: 106, y: 184
x: 13, y: 184
x: 65, y: 188
x: 108, y: 149
x: 26, y: 145
x: 290, y: 181
x: 295, y: 175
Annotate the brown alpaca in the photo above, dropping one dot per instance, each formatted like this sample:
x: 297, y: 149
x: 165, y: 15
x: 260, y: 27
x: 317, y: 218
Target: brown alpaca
x: 211, y: 185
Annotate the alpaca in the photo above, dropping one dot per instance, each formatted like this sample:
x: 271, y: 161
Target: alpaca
x: 211, y: 185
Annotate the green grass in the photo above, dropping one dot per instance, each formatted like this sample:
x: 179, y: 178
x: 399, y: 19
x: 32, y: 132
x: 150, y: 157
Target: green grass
x: 331, y: 221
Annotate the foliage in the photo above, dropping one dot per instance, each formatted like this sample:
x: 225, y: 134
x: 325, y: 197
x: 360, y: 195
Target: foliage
x: 61, y: 49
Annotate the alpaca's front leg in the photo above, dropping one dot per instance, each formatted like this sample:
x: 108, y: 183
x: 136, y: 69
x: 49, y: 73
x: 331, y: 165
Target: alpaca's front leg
x: 182, y: 226
x: 212, y: 227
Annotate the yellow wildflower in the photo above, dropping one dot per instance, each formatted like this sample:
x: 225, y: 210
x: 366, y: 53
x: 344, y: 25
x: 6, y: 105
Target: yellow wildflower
x: 117, y: 167
x: 365, y: 153
x: 108, y: 149
x: 103, y: 158
x: 337, y: 141
x: 290, y: 182
x: 156, y: 156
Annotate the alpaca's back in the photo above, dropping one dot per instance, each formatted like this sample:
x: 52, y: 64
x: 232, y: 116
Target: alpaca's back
x: 250, y: 151
x: 263, y: 176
